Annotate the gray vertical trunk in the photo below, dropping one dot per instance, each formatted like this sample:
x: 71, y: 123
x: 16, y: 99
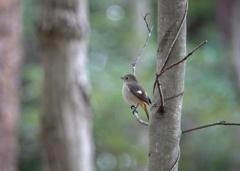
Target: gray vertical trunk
x: 66, y: 118
x: 10, y: 58
x: 164, y: 129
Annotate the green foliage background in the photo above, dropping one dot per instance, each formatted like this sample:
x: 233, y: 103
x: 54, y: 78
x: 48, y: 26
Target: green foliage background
x: 121, y: 143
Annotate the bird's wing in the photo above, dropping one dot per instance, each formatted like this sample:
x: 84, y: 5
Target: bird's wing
x: 138, y: 91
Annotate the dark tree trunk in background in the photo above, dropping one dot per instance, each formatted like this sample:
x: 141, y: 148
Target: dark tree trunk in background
x: 10, y: 57
x: 224, y: 14
x: 236, y: 43
x: 66, y: 118
x: 228, y: 20
x: 165, y: 131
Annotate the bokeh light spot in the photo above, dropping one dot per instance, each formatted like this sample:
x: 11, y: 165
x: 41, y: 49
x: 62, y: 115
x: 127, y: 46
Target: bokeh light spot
x: 115, y: 12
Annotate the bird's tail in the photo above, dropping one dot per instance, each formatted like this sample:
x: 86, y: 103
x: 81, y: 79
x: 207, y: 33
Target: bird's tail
x: 144, y: 106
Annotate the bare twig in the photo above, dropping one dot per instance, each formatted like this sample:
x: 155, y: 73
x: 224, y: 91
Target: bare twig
x: 176, y: 36
x: 161, y: 96
x: 144, y: 46
x: 135, y: 113
x: 178, y: 62
x: 212, y: 124
x: 145, y: 19
x: 224, y: 123
x: 138, y: 119
x: 185, y: 58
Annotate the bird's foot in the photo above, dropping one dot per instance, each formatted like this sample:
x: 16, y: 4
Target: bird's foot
x: 134, y: 109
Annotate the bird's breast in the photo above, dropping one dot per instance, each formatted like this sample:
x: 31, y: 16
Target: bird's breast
x: 129, y: 97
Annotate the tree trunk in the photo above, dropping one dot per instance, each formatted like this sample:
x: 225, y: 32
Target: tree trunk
x: 66, y: 118
x: 10, y: 36
x: 236, y: 43
x: 164, y: 128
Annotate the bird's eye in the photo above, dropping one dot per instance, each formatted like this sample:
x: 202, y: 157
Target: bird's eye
x: 126, y: 78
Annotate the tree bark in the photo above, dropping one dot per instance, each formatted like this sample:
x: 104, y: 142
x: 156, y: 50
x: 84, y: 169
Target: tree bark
x: 164, y: 128
x: 66, y: 118
x: 10, y: 58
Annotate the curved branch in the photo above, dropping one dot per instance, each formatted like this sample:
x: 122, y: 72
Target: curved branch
x: 176, y: 162
x: 139, y: 120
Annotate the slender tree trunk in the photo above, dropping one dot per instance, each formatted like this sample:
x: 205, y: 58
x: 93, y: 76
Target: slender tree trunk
x: 66, y: 118
x: 164, y: 128
x: 10, y: 35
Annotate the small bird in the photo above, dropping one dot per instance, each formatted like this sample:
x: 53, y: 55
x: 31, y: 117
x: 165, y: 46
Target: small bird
x: 134, y: 94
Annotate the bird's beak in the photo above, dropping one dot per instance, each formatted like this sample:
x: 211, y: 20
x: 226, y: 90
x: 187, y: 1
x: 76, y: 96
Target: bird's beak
x: 122, y: 77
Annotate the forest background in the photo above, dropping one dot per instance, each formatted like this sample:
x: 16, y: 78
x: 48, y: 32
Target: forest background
x: 118, y: 33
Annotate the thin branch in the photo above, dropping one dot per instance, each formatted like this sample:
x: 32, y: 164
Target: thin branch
x: 139, y: 120
x: 178, y: 157
x: 176, y: 36
x: 135, y: 113
x: 185, y: 58
x: 161, y: 95
x: 139, y: 55
x: 178, y: 62
x: 172, y: 97
x: 209, y: 125
x: 144, y: 46
x: 145, y: 19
